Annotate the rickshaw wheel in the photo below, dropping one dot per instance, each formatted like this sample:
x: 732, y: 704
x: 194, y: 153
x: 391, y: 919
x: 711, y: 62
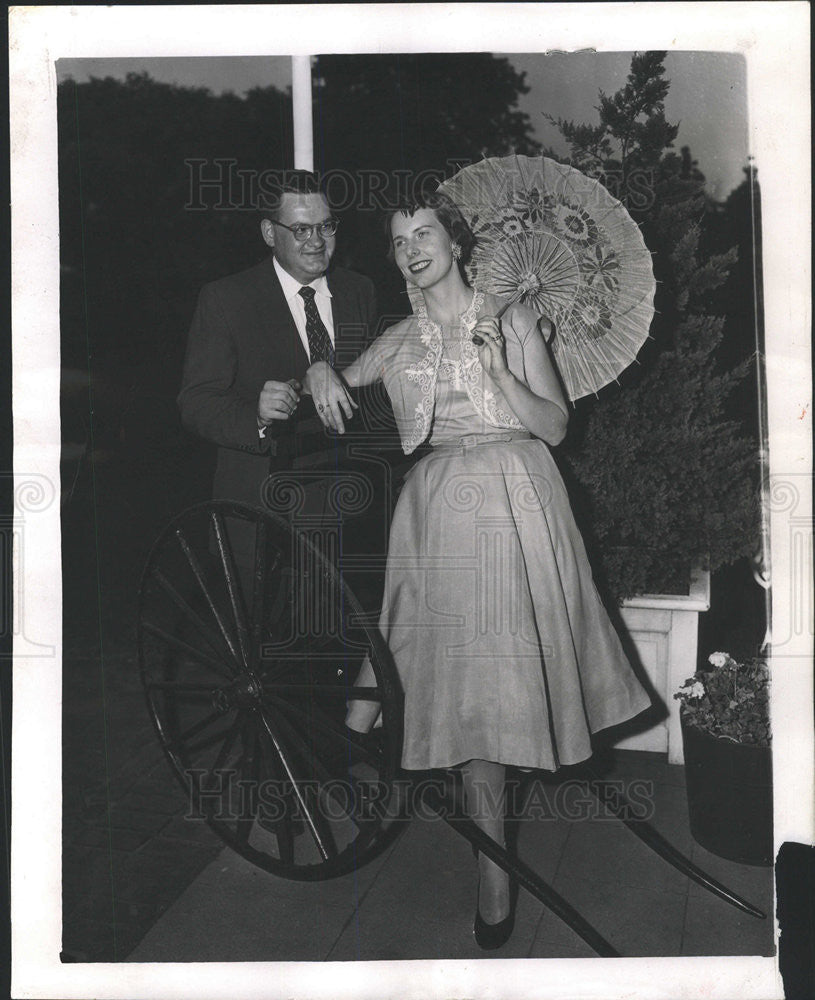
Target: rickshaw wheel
x: 247, y: 673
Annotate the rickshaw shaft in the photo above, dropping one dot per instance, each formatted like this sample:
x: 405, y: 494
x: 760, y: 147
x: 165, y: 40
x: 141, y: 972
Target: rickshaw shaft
x: 445, y: 807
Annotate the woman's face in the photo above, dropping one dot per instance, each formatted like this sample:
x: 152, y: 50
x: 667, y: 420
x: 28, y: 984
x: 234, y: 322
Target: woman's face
x: 421, y: 247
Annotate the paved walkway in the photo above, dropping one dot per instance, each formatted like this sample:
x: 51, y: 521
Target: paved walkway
x: 416, y: 901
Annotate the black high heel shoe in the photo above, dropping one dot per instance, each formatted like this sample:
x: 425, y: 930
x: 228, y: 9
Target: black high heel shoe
x: 488, y: 937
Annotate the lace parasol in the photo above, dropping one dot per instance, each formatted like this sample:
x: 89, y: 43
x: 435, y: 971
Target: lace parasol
x: 557, y: 240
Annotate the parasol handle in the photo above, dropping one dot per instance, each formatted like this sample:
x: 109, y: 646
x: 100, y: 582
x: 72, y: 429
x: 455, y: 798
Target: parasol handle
x: 531, y: 283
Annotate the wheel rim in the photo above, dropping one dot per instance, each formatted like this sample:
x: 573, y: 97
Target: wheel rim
x: 247, y: 671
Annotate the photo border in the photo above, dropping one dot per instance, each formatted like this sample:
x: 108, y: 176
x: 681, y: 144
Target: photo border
x: 774, y: 38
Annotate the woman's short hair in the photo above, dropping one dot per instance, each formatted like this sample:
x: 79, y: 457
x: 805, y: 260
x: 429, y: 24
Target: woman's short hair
x: 447, y: 212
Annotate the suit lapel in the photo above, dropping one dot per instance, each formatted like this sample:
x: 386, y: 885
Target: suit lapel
x: 283, y: 339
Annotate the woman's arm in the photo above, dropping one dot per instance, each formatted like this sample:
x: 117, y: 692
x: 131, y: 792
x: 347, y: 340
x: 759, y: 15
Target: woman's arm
x: 537, y: 401
x: 330, y: 388
x: 365, y: 370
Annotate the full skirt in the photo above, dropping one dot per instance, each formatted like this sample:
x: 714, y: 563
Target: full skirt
x: 503, y: 647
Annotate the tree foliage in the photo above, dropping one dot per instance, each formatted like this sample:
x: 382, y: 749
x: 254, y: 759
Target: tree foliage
x: 134, y: 252
x: 389, y: 122
x: 137, y: 243
x: 633, y: 133
x: 664, y: 478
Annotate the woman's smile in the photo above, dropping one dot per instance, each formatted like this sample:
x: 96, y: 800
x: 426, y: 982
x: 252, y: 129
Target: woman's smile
x: 421, y: 247
x: 419, y: 266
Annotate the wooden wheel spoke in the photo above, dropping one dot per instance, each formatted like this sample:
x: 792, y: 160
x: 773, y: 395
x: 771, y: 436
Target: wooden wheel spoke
x: 317, y: 718
x: 231, y: 735
x: 182, y: 741
x: 198, y: 573
x: 300, y: 747
x: 188, y: 692
x: 271, y: 674
x: 317, y: 822
x: 349, y: 692
x: 198, y: 727
x: 247, y: 685
x: 313, y: 822
x: 180, y: 687
x: 184, y: 647
x: 284, y: 827
x: 247, y: 818
x: 232, y: 585
x: 207, y: 634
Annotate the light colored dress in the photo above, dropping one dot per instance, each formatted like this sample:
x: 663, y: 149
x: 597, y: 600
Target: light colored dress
x: 502, y: 645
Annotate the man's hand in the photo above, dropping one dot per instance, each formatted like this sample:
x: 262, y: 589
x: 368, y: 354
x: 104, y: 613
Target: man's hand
x: 278, y: 400
x: 331, y: 398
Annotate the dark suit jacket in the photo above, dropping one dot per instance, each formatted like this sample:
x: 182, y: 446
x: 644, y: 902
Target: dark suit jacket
x: 242, y: 335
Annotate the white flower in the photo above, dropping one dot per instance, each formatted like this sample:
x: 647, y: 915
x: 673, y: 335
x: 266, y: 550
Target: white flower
x: 718, y: 659
x: 691, y: 690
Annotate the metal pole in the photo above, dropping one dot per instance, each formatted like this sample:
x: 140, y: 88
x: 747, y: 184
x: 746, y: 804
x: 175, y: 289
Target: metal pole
x: 301, y: 110
x: 761, y: 561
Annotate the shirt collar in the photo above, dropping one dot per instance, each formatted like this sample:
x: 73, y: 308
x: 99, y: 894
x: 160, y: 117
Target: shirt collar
x: 291, y: 286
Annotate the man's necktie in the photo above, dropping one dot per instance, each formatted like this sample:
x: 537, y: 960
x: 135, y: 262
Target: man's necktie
x: 319, y: 343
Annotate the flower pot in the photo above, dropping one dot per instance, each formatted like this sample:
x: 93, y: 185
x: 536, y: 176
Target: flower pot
x: 730, y: 796
x: 659, y: 633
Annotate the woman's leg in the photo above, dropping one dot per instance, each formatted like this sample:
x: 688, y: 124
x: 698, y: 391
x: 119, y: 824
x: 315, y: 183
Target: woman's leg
x: 361, y: 715
x: 485, y: 802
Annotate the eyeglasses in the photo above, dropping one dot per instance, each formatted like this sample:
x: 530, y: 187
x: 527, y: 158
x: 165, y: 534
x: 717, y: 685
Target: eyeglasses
x: 303, y: 232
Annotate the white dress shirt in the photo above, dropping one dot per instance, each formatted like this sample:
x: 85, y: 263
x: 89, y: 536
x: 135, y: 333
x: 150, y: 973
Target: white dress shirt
x: 297, y: 307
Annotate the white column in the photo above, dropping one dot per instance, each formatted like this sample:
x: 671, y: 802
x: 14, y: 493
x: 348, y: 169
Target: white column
x: 301, y: 109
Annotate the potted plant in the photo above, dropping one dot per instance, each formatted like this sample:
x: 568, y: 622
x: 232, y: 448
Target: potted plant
x: 726, y: 734
x: 664, y: 482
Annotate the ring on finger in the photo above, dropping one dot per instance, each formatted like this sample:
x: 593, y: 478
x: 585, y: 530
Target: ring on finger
x: 320, y: 407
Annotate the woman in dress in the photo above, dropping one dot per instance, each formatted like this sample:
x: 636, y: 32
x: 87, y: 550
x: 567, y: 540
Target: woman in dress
x: 504, y: 651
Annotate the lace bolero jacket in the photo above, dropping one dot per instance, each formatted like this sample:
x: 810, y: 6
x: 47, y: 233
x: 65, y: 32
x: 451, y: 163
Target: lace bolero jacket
x: 407, y: 356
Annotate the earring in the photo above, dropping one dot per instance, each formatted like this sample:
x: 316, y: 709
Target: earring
x: 456, y: 251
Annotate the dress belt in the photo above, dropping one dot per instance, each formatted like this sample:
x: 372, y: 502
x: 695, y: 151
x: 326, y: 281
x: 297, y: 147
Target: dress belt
x: 472, y: 440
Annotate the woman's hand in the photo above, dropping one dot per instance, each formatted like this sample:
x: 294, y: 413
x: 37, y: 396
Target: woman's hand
x: 539, y: 405
x: 491, y: 349
x: 331, y: 399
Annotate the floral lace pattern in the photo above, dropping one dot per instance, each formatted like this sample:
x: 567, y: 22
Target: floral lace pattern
x: 562, y: 236
x: 584, y: 270
x: 467, y: 372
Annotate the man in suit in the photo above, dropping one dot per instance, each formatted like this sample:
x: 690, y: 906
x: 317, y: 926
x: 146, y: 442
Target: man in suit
x: 254, y: 335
